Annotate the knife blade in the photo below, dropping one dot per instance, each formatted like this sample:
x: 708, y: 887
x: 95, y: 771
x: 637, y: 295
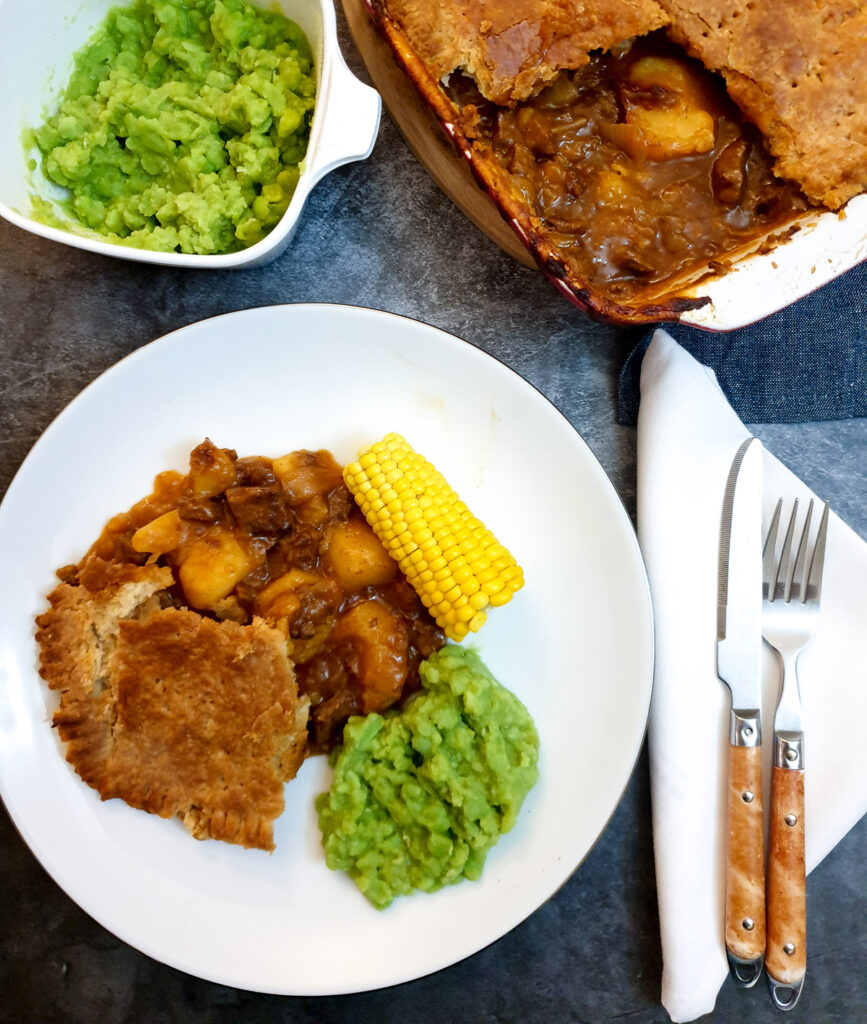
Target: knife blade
x: 739, y: 666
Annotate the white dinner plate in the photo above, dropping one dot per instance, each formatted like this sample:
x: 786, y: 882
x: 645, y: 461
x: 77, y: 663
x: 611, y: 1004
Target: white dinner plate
x: 576, y: 644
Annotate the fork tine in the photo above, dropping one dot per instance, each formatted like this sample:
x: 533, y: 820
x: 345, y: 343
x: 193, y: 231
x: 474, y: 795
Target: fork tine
x: 817, y: 561
x: 799, y: 579
x: 783, y: 568
x: 769, y: 564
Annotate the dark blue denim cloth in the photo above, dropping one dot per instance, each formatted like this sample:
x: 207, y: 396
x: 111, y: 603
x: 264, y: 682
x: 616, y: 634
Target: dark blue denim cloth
x: 808, y: 362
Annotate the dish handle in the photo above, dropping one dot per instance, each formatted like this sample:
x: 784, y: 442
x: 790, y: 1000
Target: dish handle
x: 350, y: 129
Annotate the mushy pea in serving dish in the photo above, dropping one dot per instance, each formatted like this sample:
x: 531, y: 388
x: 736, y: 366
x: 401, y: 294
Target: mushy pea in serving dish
x: 38, y: 48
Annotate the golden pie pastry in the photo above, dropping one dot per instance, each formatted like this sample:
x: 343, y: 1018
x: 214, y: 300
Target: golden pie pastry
x: 173, y: 712
x: 798, y: 71
x: 513, y: 47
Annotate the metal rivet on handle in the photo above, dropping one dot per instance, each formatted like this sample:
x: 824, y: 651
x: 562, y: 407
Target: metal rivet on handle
x: 789, y: 948
x: 747, y: 796
x: 748, y: 730
x: 791, y: 819
x: 748, y: 923
x: 791, y: 754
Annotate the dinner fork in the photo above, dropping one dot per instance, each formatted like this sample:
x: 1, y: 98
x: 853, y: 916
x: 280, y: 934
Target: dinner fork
x: 791, y: 587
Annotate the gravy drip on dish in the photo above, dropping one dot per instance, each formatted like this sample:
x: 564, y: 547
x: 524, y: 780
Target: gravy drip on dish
x: 637, y: 163
x: 283, y: 539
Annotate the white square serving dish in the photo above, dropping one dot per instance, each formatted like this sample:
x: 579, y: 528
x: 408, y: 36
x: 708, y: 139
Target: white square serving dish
x: 38, y: 39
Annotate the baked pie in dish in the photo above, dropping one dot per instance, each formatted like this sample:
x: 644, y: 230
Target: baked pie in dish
x: 640, y: 148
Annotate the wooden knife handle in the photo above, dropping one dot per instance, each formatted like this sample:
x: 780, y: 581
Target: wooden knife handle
x: 745, y: 862
x: 787, y: 882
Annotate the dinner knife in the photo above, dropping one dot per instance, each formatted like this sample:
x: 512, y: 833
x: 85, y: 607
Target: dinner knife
x: 739, y: 665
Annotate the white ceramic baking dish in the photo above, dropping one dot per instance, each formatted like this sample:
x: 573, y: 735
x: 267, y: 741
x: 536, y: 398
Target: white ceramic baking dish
x: 37, y: 41
x: 825, y: 246
x: 739, y: 288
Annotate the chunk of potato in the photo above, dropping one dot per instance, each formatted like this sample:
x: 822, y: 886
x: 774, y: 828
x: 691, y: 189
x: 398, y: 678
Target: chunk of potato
x: 667, y: 74
x: 313, y: 511
x: 309, y: 603
x: 160, y: 535
x: 282, y: 597
x: 357, y: 556
x: 612, y: 187
x: 665, y: 102
x: 305, y: 474
x: 383, y: 643
x: 673, y: 131
x: 212, y: 469
x: 213, y: 564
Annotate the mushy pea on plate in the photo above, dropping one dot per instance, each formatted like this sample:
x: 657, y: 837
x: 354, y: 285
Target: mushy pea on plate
x: 420, y: 796
x: 183, y: 125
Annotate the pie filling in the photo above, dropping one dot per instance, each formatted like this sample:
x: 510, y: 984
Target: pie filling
x: 638, y: 166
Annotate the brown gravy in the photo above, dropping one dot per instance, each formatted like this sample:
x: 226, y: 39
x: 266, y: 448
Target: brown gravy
x: 283, y: 539
x: 638, y: 164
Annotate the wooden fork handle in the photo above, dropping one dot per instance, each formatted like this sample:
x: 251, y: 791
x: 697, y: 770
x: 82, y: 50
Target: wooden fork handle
x: 745, y: 869
x: 787, y: 880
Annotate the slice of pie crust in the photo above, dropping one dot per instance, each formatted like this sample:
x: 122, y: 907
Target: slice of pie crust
x: 175, y: 713
x: 797, y: 70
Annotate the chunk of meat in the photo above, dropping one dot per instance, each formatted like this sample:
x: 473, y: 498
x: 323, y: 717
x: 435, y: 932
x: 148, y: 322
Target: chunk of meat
x: 330, y: 716
x: 255, y: 471
x: 729, y: 174
x: 311, y: 627
x: 298, y: 549
x: 259, y: 509
x: 340, y: 503
x: 309, y: 602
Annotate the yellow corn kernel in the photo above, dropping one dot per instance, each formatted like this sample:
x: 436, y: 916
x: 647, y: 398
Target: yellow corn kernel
x: 454, y: 562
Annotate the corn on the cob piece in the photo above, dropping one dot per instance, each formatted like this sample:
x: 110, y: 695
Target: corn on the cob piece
x: 452, y: 559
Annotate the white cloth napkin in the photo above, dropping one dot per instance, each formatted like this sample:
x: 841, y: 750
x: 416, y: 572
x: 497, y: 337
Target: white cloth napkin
x: 687, y: 437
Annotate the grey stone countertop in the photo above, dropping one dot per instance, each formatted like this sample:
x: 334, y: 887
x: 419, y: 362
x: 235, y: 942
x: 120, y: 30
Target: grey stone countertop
x: 380, y: 234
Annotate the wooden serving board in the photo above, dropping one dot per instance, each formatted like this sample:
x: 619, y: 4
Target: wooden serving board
x: 422, y: 132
